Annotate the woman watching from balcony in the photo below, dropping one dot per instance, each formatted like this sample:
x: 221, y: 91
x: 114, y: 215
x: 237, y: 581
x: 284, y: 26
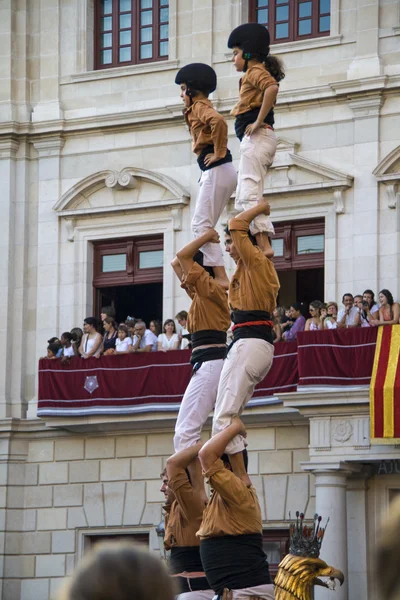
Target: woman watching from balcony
x: 110, y: 336
x: 315, y: 322
x: 92, y: 340
x: 389, y: 312
x: 168, y: 340
x: 155, y: 327
x: 330, y: 320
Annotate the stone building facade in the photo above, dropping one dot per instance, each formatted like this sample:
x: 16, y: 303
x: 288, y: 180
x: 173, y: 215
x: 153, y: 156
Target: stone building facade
x: 90, y: 155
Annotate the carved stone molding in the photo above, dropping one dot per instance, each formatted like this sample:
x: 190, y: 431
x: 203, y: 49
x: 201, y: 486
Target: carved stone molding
x: 51, y: 146
x: 8, y: 147
x: 392, y: 193
x: 176, y: 214
x: 70, y: 225
x: 338, y: 200
x: 342, y: 431
x: 124, y: 180
x: 367, y: 107
x: 320, y: 434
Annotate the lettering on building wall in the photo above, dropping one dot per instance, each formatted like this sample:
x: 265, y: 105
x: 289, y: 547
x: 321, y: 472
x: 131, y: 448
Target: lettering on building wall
x: 388, y: 467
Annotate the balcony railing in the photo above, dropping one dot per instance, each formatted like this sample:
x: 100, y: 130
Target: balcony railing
x: 138, y: 383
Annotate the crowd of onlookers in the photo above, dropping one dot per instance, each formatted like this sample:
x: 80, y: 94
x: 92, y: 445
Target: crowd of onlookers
x: 133, y: 335
x: 360, y: 310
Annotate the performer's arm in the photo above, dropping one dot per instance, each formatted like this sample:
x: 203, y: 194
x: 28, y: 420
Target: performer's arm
x: 185, y: 255
x: 215, y: 447
x: 181, y: 460
x: 176, y: 265
x: 262, y: 208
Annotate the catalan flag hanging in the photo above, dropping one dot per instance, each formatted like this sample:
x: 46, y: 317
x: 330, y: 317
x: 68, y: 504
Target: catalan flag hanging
x: 385, y: 387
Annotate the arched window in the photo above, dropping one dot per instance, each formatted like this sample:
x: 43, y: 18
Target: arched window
x: 292, y: 20
x: 130, y: 32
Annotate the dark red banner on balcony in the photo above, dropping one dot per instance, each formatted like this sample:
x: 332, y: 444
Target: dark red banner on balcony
x: 157, y: 381
x: 133, y: 383
x: 336, y: 357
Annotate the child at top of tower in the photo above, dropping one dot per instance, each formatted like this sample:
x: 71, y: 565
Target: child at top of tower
x: 254, y: 121
x: 209, y: 133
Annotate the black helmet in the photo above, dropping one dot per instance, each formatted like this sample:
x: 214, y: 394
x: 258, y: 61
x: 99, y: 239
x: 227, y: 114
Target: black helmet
x: 198, y: 76
x: 251, y: 38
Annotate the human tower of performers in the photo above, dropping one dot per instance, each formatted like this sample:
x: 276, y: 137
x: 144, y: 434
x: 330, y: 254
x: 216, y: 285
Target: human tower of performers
x: 216, y: 544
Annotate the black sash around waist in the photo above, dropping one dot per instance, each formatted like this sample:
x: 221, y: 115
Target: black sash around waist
x: 255, y: 330
x: 234, y: 562
x: 250, y: 117
x: 210, y: 150
x: 203, y: 338
x: 187, y: 559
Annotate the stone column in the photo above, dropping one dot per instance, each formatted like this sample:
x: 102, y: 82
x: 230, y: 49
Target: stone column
x: 48, y: 243
x: 331, y: 485
x: 366, y: 62
x: 49, y: 105
x: 8, y: 150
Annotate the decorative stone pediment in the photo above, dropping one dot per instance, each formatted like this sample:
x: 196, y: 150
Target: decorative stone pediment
x: 292, y: 173
x: 388, y: 172
x: 130, y: 189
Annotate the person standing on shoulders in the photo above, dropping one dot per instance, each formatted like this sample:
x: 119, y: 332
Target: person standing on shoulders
x: 209, y: 132
x: 252, y: 298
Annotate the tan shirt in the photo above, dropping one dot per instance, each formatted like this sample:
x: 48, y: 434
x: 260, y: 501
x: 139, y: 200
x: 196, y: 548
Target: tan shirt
x: 207, y: 127
x: 183, y: 517
x: 233, y: 508
x: 255, y: 283
x: 209, y: 308
x: 252, y: 87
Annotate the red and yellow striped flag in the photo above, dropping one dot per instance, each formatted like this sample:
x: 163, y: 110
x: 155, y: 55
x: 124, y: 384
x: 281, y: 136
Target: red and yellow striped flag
x: 385, y: 387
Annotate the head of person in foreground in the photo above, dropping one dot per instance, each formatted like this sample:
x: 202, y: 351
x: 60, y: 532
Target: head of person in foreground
x: 119, y: 571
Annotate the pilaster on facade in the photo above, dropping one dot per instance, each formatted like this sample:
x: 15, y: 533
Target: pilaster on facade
x: 49, y: 146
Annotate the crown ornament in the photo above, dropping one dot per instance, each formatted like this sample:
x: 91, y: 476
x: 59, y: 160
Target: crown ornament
x: 306, y: 540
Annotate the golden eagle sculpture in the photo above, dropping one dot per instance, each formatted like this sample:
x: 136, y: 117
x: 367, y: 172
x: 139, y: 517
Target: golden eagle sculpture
x: 300, y: 570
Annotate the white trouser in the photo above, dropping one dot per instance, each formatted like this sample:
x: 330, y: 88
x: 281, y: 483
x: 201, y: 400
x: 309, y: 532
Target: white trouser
x: 265, y: 591
x: 216, y: 187
x: 256, y: 155
x: 247, y: 363
x: 197, y: 403
x: 200, y: 595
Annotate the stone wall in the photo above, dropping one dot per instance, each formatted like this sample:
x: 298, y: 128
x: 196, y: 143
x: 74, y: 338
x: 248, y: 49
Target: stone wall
x: 71, y: 485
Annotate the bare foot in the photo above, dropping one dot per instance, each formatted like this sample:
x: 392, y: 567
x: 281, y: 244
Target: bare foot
x: 264, y: 243
x: 241, y: 429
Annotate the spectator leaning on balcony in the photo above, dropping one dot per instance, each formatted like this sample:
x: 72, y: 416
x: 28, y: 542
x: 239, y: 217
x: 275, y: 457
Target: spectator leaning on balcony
x: 181, y: 317
x: 91, y: 342
x: 389, y: 312
x: 330, y: 321
x: 66, y: 342
x: 347, y: 315
x: 298, y: 325
x: 368, y: 310
x: 155, y: 327
x: 144, y: 340
x: 315, y: 322
x: 110, y: 336
x: 168, y: 340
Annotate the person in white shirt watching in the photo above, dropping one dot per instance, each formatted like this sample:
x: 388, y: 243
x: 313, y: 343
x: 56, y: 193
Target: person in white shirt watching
x: 144, y: 340
x: 347, y: 315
